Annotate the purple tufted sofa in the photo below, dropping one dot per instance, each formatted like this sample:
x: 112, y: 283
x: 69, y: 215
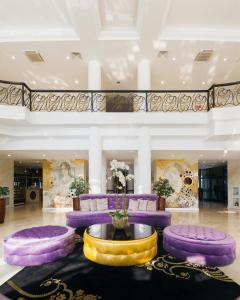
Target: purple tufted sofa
x: 155, y: 218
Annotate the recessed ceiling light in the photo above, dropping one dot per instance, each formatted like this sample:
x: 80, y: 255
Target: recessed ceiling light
x: 225, y: 151
x: 162, y: 81
x: 56, y: 81
x: 44, y: 155
x: 33, y: 82
x: 183, y: 82
x: 76, y: 81
x: 174, y: 58
x: 13, y: 57
x: 67, y: 57
x: 203, y: 83
x: 9, y: 155
x: 225, y: 59
x: 135, y: 48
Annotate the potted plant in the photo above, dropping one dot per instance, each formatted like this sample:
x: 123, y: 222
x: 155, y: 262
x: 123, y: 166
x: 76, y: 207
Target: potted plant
x: 4, y: 191
x: 163, y: 189
x: 120, y: 178
x: 78, y: 186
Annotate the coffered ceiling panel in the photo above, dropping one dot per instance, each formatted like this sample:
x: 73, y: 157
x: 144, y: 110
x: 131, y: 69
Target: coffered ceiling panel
x: 117, y: 14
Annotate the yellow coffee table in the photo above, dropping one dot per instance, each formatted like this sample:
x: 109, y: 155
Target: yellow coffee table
x: 134, y: 245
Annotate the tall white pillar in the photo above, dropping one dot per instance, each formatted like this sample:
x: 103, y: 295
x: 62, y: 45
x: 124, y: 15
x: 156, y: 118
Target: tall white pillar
x: 95, y: 83
x: 104, y: 174
x: 144, y: 162
x: 136, y: 174
x: 95, y: 160
x: 144, y: 75
x: 94, y: 75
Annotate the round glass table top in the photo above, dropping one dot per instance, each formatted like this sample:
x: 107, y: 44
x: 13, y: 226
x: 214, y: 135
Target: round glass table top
x: 109, y: 232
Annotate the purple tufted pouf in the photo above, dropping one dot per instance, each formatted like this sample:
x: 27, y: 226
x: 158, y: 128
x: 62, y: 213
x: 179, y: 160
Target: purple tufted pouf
x: 199, y: 244
x: 38, y: 245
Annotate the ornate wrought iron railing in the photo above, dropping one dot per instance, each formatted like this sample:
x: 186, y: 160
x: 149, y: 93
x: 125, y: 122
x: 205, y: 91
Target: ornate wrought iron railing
x: 219, y: 95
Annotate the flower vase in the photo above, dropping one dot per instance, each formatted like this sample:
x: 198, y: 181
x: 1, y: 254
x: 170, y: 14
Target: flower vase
x: 120, y: 223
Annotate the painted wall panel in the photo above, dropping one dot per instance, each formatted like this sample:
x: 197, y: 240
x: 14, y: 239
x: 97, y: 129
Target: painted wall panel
x: 183, y: 177
x: 57, y: 178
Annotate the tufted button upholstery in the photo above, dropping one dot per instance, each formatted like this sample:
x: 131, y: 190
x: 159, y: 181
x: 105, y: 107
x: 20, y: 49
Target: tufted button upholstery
x: 199, y: 244
x: 38, y: 245
x: 198, y: 232
x: 40, y: 232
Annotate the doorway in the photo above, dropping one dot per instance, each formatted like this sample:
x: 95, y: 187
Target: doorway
x: 213, y: 184
x: 27, y: 182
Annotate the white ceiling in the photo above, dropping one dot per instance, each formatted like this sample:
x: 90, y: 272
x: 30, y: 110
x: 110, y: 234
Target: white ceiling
x: 206, y: 157
x: 119, y: 34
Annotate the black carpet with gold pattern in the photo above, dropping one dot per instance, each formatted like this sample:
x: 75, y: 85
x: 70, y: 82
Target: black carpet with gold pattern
x: 75, y: 277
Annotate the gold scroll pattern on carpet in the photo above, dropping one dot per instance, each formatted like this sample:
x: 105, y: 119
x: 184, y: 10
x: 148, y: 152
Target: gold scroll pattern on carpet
x: 170, y: 266
x: 58, y: 291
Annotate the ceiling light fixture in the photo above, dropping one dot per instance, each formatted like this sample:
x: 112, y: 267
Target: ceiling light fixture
x: 225, y: 151
x: 203, y: 83
x: 183, y: 82
x: 174, y: 58
x: 13, y: 57
x: 44, y: 155
x: 76, y: 81
x: 225, y: 59
x: 9, y: 155
x: 135, y: 48
x: 67, y: 57
x: 56, y: 81
x: 162, y: 81
x: 33, y: 82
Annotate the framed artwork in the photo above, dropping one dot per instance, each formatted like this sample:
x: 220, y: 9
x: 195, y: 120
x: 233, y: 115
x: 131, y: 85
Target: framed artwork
x: 235, y: 191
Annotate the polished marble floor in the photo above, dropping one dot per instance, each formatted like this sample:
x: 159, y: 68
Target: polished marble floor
x: 213, y: 215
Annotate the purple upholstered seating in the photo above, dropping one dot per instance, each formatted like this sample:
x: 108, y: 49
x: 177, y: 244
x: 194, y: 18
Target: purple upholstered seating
x: 199, y: 244
x: 87, y: 218
x: 38, y: 245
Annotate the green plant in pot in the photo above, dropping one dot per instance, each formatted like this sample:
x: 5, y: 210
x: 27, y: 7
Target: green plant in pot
x: 4, y: 191
x: 78, y: 186
x: 163, y: 189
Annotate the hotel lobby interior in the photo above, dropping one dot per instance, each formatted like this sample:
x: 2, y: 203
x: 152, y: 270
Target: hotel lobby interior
x: 119, y: 149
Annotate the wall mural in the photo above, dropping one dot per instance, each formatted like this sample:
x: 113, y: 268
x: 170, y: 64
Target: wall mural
x: 57, y: 178
x: 183, y: 176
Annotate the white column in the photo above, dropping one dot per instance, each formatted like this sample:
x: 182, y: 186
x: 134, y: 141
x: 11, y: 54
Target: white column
x: 144, y: 161
x: 94, y: 75
x: 95, y: 83
x: 95, y: 160
x: 144, y: 75
x: 136, y: 174
x: 104, y: 174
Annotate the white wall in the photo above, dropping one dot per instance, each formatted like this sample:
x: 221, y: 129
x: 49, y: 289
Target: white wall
x: 233, y: 168
x: 7, y: 177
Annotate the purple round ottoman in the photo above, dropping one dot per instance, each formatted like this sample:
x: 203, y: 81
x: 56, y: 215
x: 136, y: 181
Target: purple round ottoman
x: 38, y: 245
x: 199, y: 244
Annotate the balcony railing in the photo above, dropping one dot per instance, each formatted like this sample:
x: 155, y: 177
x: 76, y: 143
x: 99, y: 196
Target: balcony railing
x: 219, y: 95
